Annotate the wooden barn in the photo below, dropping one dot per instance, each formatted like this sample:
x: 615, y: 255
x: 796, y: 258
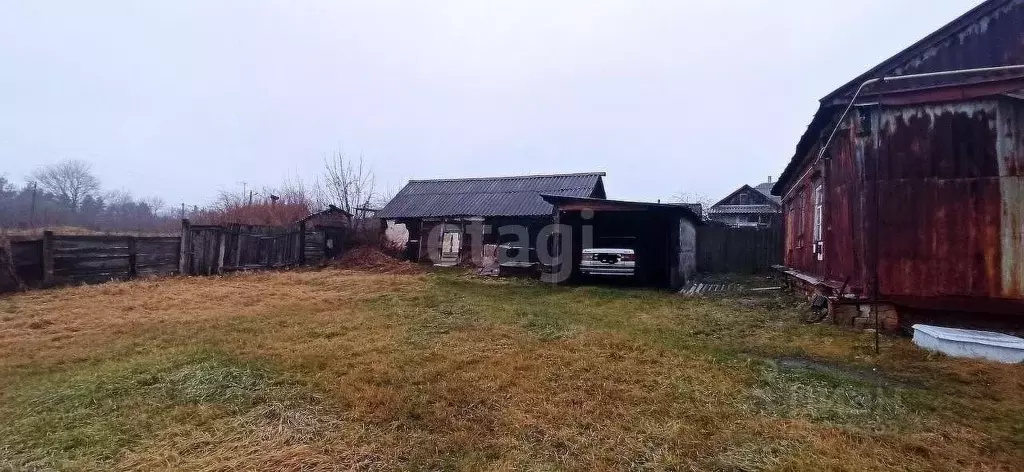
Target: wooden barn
x: 326, y: 232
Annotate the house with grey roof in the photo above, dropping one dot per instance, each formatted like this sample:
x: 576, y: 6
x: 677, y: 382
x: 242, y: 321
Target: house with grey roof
x: 445, y: 215
x: 749, y: 207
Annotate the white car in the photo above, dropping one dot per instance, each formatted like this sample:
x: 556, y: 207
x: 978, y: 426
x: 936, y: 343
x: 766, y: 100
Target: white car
x: 608, y: 261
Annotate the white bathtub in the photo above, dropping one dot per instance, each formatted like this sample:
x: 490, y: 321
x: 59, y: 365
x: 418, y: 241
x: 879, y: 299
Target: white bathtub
x: 970, y: 343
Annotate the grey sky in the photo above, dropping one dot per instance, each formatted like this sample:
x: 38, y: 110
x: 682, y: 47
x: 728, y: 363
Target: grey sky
x: 181, y: 99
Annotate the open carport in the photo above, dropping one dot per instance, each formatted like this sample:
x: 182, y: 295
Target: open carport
x: 662, y: 235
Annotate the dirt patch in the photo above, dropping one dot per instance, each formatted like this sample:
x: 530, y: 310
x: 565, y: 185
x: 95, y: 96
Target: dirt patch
x: 372, y: 259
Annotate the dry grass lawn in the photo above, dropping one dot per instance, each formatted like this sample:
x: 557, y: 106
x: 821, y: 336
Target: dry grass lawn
x: 329, y: 370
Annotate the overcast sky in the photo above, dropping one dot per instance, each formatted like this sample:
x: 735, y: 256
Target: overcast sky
x: 182, y: 99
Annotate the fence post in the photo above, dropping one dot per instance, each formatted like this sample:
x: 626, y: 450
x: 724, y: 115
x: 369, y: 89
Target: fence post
x: 237, y: 235
x: 302, y: 243
x: 221, y: 243
x: 133, y: 269
x: 47, y: 258
x: 184, y: 256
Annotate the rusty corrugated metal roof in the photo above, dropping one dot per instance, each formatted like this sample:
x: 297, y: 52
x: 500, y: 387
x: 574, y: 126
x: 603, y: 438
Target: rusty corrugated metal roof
x: 986, y: 36
x: 489, y: 196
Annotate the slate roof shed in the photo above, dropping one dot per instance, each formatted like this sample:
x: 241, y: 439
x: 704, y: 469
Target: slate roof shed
x: 512, y: 196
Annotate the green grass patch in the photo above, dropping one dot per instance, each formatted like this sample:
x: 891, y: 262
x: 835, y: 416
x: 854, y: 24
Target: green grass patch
x: 91, y: 414
x: 831, y: 398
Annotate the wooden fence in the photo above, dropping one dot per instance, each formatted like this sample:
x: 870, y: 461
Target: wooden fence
x: 58, y: 259
x: 200, y: 250
x: 738, y: 250
x: 207, y: 250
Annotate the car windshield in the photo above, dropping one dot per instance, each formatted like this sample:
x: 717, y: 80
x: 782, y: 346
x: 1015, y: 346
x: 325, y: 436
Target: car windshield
x: 624, y: 242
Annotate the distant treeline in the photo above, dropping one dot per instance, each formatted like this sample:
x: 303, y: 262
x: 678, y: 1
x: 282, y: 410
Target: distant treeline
x: 68, y: 194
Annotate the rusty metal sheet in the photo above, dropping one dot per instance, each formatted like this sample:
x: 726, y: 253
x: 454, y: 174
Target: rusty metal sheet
x: 950, y: 213
x: 951, y: 205
x: 987, y: 36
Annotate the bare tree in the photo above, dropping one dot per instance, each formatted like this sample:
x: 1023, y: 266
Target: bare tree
x: 293, y: 190
x: 689, y: 198
x: 120, y: 197
x: 346, y: 184
x: 156, y: 204
x: 383, y: 197
x: 227, y: 199
x: 70, y: 180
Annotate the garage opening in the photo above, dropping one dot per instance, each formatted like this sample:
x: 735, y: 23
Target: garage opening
x: 661, y: 237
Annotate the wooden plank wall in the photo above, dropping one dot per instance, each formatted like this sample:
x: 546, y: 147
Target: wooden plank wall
x: 313, y: 248
x: 28, y: 260
x: 201, y: 250
x: 738, y: 250
x: 217, y: 249
x: 202, y: 253
x: 12, y: 270
x: 156, y: 256
x: 56, y: 260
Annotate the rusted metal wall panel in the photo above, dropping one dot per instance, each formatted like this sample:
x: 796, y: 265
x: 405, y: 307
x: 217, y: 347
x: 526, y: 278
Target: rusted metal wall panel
x: 841, y: 230
x: 799, y: 209
x: 1010, y: 148
x: 994, y: 39
x: 841, y: 215
x: 949, y: 214
x: 990, y: 35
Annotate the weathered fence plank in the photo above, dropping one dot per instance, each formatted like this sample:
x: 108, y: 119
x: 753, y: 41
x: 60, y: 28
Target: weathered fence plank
x: 738, y: 250
x: 217, y: 249
x: 47, y: 258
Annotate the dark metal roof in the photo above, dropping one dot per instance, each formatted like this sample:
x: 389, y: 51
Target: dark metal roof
x: 684, y: 209
x: 489, y: 196
x: 822, y: 118
x: 763, y: 189
x: 696, y: 208
x: 743, y: 209
x: 329, y: 210
x: 766, y: 190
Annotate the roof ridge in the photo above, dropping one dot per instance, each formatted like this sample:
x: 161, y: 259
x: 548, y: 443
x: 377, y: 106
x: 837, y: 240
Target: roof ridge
x: 953, y: 27
x: 509, y: 177
x: 524, y: 190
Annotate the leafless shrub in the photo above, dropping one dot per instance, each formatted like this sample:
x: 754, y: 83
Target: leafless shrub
x: 691, y: 198
x: 346, y: 183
